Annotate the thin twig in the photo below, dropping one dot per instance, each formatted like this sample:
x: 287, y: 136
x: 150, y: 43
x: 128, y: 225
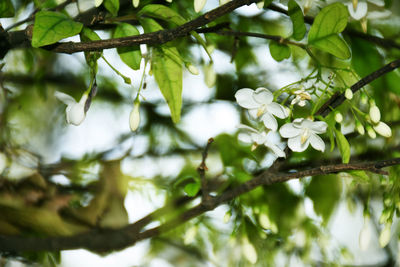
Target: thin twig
x: 202, y: 172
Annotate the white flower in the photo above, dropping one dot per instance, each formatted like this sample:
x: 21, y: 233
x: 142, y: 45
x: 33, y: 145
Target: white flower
x: 252, y: 136
x: 338, y: 117
x: 301, y: 97
x: 383, y: 129
x: 364, y: 238
x: 199, y: 4
x: 259, y: 103
x: 75, y: 111
x: 134, y: 117
x: 358, y: 10
x: 302, y: 132
x: 248, y: 250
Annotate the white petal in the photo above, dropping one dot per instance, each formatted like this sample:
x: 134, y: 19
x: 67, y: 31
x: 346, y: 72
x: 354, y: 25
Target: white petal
x: 244, y: 97
x: 277, y: 151
x: 316, y: 142
x: 277, y: 110
x: 199, y: 4
x: 379, y: 14
x: 380, y: 3
x: 259, y: 138
x: 360, y: 11
x: 288, y: 131
x: 97, y: 3
x: 302, y: 103
x: 269, y: 121
x: 76, y: 112
x: 245, y: 138
x: 296, y: 145
x: 263, y: 96
x: 66, y: 99
x: 247, y: 128
x: 254, y: 113
x: 318, y: 127
x: 135, y: 3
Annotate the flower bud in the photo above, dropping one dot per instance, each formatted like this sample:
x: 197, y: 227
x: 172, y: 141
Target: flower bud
x: 374, y: 114
x: 3, y: 162
x: 348, y: 93
x: 135, y: 3
x: 199, y: 4
x: 371, y: 132
x: 383, y: 129
x: 134, y: 117
x: 260, y: 4
x: 190, y: 235
x: 191, y: 68
x: 365, y: 235
x: 338, y: 117
x: 97, y: 3
x: 249, y: 252
x: 210, y: 76
x: 360, y: 128
x: 384, y: 237
x: 227, y: 217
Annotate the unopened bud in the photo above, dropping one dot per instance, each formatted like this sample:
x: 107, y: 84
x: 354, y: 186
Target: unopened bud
x: 371, y: 132
x: 384, y: 237
x: 338, y: 117
x: 191, y: 68
x: 374, y: 114
x: 360, y: 128
x: 365, y: 235
x: 135, y: 3
x: 249, y: 252
x: 383, y: 129
x: 134, y: 117
x: 210, y: 76
x: 260, y: 5
x: 348, y: 93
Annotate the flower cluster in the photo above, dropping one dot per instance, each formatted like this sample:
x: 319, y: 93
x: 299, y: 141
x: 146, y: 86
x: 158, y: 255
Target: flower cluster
x: 300, y: 133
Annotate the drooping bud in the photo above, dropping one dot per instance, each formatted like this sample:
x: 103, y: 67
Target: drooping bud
x: 199, y: 4
x: 338, y: 117
x: 135, y: 3
x: 3, y: 162
x: 383, y: 129
x: 348, y: 93
x: 191, y: 68
x: 360, y: 128
x: 249, y: 252
x: 365, y: 235
x: 134, y: 117
x: 210, y: 76
x: 374, y: 113
x: 384, y: 237
x: 371, y: 132
x: 97, y: 3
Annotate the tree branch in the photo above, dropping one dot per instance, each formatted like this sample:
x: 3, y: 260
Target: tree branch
x: 106, y: 240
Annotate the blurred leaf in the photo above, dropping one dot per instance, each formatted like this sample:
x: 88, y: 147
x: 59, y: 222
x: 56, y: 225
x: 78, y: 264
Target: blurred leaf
x: 192, y: 189
x: 112, y: 6
x: 324, y: 203
x: 344, y: 146
x: 131, y: 56
x: 6, y: 9
x: 51, y: 27
x: 296, y: 15
x: 323, y: 34
x: 162, y: 12
x: 359, y: 176
x: 279, y: 51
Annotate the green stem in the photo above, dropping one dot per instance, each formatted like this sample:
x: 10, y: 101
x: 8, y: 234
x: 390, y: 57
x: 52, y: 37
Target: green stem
x: 127, y: 80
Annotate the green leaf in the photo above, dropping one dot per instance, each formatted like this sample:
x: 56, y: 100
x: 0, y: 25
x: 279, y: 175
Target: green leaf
x: 278, y: 51
x: 6, y: 9
x: 192, y: 189
x: 167, y: 69
x: 323, y: 34
x: 51, y: 27
x: 344, y: 146
x: 324, y: 203
x: 359, y: 176
x: 112, y: 6
x: 131, y: 56
x: 162, y: 12
x: 296, y: 15
x: 91, y: 58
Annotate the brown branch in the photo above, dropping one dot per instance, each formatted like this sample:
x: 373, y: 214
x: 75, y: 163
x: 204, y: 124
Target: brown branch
x: 153, y: 38
x: 338, y: 98
x: 106, y: 240
x: 202, y: 172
